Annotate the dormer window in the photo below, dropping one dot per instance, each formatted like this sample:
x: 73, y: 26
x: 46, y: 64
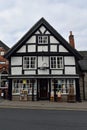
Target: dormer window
x: 42, y: 39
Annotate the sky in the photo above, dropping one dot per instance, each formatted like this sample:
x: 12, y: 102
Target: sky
x: 18, y: 16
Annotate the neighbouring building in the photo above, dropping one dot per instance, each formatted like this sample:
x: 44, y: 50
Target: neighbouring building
x: 83, y: 75
x: 4, y: 64
x: 44, y: 66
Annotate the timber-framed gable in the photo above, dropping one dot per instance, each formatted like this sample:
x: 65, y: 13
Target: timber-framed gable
x: 43, y: 64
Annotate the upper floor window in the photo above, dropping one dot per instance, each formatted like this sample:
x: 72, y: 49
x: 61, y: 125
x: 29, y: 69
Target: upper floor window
x: 42, y: 39
x: 2, y: 62
x: 56, y: 62
x: 2, y: 53
x: 29, y: 62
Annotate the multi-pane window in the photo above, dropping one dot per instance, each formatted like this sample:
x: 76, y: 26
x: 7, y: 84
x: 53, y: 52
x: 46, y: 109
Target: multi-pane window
x: 71, y: 86
x: 29, y: 62
x: 56, y: 62
x: 22, y: 84
x: 62, y: 85
x: 42, y: 39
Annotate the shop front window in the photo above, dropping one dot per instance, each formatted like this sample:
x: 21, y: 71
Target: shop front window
x: 62, y: 85
x: 27, y: 85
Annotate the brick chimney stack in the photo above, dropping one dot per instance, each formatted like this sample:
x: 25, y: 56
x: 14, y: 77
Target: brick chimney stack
x: 71, y: 40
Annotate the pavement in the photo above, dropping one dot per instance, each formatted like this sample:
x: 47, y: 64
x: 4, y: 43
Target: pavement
x: 47, y: 105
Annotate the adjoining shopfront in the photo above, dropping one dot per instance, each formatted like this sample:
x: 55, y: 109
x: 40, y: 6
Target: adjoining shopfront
x: 4, y: 86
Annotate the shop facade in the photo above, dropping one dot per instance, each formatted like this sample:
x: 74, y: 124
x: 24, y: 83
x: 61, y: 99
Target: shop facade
x: 43, y: 66
x: 43, y: 88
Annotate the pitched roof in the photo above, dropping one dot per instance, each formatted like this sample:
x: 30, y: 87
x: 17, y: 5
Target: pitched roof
x: 3, y: 45
x: 83, y: 62
x: 43, y: 22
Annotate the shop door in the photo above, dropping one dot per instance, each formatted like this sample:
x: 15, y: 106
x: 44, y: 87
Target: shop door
x: 43, y: 89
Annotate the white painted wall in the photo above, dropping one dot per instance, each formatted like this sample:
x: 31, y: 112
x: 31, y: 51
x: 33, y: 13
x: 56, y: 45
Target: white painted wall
x: 47, y: 32
x: 53, y: 40
x: 32, y: 40
x: 43, y: 60
x: 42, y: 29
x: 58, y: 72
x: 53, y: 48
x: 30, y: 72
x: 42, y: 48
x: 16, y: 60
x: 69, y: 60
x: 62, y: 49
x: 43, y: 72
x: 22, y: 49
x: 16, y: 70
x: 37, y: 32
x: 70, y: 70
x: 31, y: 48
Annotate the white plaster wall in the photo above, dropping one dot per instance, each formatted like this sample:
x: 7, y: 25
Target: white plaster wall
x: 42, y: 48
x: 62, y: 49
x: 47, y: 32
x: 42, y: 29
x: 31, y: 48
x: 22, y: 49
x: 29, y: 72
x: 37, y: 32
x: 16, y: 60
x: 53, y: 48
x: 69, y: 60
x: 16, y: 70
x: 32, y: 40
x: 70, y: 70
x: 43, y: 60
x: 53, y: 40
x: 58, y: 72
x: 43, y: 72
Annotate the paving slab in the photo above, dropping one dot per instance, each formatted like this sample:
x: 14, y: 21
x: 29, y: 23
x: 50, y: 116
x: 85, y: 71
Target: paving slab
x: 43, y: 105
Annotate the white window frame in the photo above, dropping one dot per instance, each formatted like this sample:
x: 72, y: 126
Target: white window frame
x: 27, y: 64
x: 18, y: 86
x: 2, y: 62
x: 63, y: 85
x: 71, y: 82
x: 56, y: 65
x: 42, y: 39
x: 2, y: 53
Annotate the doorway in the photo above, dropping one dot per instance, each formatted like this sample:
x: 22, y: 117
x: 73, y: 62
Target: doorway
x: 43, y: 83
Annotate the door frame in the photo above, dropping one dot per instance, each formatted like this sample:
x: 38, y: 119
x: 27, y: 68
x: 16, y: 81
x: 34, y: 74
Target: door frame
x: 41, y: 88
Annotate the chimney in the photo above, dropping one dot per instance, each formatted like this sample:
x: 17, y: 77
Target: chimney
x: 71, y: 40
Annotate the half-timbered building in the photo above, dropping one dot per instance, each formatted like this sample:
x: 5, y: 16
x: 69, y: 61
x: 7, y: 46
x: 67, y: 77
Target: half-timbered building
x: 43, y: 65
